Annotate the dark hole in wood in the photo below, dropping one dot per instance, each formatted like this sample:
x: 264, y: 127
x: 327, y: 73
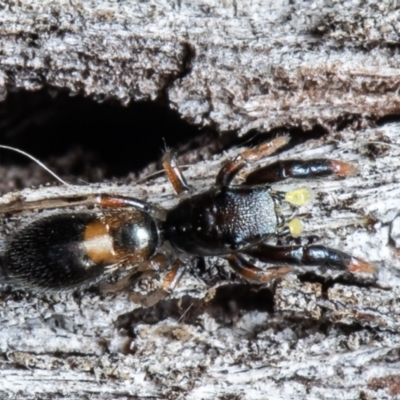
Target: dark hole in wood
x: 113, y: 138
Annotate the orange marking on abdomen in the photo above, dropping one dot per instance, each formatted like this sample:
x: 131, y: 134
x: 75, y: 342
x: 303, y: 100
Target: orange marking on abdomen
x: 98, y: 243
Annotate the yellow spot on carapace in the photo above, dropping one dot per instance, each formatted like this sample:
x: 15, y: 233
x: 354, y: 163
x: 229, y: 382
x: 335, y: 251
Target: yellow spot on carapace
x: 295, y: 227
x: 298, y: 197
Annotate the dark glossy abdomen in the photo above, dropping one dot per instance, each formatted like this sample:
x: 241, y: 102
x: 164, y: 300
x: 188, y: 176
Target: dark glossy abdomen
x: 48, y: 254
x: 222, y: 220
x: 64, y: 251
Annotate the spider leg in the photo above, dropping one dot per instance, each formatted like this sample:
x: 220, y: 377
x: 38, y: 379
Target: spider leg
x: 101, y: 199
x: 174, y: 173
x: 244, y: 268
x: 299, y: 169
x: 170, y: 281
x: 173, y: 276
x: 228, y: 171
x: 311, y: 255
x: 231, y: 168
x: 156, y: 263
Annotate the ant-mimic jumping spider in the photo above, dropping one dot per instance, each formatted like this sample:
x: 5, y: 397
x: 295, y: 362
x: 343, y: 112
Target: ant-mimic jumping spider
x: 70, y: 250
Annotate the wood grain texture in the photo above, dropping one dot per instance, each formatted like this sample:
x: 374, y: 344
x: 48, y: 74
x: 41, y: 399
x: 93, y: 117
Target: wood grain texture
x: 317, y: 333
x: 232, y: 66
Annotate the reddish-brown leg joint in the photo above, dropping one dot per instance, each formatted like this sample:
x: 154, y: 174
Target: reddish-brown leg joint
x: 174, y: 173
x: 242, y: 267
x: 231, y: 168
x: 174, y: 275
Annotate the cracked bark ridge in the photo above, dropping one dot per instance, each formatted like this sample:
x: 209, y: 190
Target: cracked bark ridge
x: 316, y: 334
x: 233, y: 67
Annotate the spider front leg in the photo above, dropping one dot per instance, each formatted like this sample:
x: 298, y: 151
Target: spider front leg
x: 231, y: 168
x: 310, y: 255
x: 299, y: 169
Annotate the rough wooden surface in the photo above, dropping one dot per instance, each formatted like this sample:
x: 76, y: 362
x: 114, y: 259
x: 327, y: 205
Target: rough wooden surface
x: 239, y: 66
x: 316, y: 334
x: 231, y: 65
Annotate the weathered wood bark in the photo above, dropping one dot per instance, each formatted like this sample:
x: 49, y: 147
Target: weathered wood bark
x: 315, y: 334
x: 331, y: 335
x: 235, y: 66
